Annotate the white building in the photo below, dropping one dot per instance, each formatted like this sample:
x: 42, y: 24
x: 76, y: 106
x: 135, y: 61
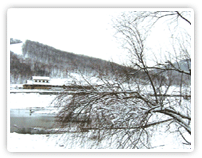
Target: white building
x: 38, y: 82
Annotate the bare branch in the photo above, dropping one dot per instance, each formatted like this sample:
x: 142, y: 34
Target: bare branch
x: 180, y: 15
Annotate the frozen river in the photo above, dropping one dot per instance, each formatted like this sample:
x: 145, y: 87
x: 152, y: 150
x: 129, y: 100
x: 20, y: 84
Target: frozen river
x: 24, y: 119
x: 31, y: 111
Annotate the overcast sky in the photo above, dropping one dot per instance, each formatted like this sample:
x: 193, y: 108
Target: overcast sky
x: 81, y: 31
x: 85, y: 31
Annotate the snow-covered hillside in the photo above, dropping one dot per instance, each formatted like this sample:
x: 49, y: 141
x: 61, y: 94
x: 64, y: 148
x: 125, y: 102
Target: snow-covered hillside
x: 16, y: 48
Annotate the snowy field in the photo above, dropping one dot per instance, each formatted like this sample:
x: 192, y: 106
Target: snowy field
x: 26, y: 100
x: 26, y: 143
x: 66, y: 142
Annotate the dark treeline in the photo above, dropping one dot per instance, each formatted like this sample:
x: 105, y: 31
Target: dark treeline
x: 19, y: 70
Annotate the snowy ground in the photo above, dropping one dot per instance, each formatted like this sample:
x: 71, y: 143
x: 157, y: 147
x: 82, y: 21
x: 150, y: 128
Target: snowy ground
x: 69, y: 141
x: 26, y: 142
x: 26, y: 100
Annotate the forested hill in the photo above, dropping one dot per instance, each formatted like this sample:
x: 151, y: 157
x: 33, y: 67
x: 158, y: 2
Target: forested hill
x: 43, y: 60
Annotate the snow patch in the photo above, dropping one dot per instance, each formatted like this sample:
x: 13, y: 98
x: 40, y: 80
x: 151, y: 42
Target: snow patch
x: 16, y: 48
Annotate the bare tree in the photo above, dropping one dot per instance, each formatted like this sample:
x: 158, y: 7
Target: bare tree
x: 127, y: 110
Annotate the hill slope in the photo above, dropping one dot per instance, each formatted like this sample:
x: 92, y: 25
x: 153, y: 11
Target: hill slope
x: 43, y: 60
